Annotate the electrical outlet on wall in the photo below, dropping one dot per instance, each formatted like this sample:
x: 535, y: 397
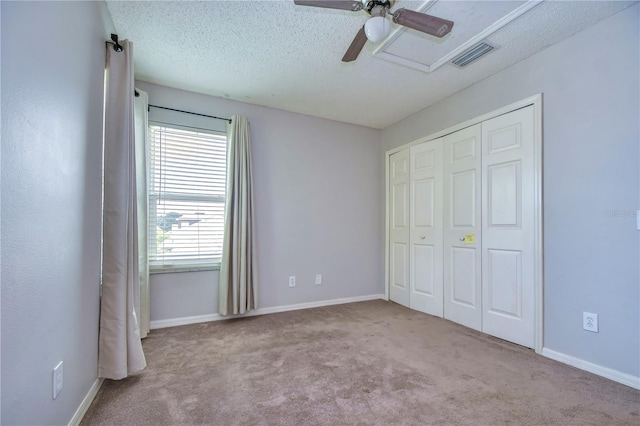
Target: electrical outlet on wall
x: 590, y: 321
x: 292, y: 281
x: 318, y: 278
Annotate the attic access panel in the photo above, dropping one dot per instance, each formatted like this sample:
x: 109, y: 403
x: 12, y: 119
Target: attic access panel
x: 473, y: 22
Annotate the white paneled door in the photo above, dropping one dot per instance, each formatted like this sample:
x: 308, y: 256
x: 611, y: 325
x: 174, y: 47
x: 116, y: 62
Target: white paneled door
x: 425, y: 236
x: 508, y: 226
x: 462, y: 227
x: 399, y: 227
x: 465, y: 226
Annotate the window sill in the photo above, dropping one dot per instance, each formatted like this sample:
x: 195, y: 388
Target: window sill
x: 186, y: 268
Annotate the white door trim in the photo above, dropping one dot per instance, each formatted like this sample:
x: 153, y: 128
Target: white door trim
x: 536, y: 102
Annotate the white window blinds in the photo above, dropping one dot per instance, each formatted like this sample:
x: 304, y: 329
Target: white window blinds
x: 187, y: 176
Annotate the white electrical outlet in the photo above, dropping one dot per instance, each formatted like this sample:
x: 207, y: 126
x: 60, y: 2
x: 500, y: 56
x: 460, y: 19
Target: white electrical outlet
x: 318, y: 278
x: 57, y: 380
x: 590, y: 321
x: 292, y: 281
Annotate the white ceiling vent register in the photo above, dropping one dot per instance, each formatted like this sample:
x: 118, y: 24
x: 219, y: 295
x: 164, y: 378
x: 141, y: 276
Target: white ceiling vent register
x: 472, y: 54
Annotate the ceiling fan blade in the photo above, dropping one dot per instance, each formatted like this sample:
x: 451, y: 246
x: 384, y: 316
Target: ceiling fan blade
x: 353, y: 5
x: 356, y: 46
x: 431, y: 25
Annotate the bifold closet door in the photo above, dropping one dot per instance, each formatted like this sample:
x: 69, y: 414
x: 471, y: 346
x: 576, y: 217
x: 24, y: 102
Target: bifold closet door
x: 462, y: 227
x: 399, y: 227
x: 425, y: 236
x: 508, y: 224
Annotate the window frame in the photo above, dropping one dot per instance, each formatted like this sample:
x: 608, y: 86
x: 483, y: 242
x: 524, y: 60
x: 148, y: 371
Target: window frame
x: 152, y: 197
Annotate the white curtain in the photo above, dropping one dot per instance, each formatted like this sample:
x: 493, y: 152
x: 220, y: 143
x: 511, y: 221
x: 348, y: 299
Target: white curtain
x: 141, y: 108
x: 238, y: 286
x: 120, y: 349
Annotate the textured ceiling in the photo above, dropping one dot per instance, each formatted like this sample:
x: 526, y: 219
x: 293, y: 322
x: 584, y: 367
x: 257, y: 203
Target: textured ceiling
x: 283, y: 56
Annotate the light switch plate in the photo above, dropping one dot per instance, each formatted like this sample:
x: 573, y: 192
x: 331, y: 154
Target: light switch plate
x: 57, y: 380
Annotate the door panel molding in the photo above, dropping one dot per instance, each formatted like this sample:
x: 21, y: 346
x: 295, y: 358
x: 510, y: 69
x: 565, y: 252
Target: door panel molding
x: 425, y: 222
x: 462, y: 211
x: 398, y: 226
x: 508, y: 227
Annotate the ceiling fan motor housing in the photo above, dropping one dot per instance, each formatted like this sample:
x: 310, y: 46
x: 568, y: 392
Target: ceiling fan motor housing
x: 369, y: 5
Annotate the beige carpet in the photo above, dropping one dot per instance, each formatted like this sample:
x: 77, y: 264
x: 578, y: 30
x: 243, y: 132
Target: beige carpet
x: 368, y: 363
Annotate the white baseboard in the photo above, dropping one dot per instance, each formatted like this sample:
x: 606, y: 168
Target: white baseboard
x: 611, y: 374
x: 86, y: 402
x: 174, y: 322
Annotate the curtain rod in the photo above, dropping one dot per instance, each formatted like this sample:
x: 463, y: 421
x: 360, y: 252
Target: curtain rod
x: 193, y: 113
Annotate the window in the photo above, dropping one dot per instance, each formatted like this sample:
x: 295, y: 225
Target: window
x: 187, y: 177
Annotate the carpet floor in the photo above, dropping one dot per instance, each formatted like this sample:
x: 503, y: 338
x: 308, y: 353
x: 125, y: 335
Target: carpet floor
x: 366, y: 363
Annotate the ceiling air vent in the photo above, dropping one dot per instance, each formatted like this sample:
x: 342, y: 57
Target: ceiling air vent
x: 471, y: 54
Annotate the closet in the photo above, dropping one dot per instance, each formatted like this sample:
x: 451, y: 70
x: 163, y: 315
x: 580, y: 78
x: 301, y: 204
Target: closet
x: 463, y: 226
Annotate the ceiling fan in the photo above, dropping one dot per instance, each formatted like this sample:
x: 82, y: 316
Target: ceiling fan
x: 377, y: 27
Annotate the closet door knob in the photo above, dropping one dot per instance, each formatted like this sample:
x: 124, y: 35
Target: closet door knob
x: 422, y: 237
x: 461, y: 238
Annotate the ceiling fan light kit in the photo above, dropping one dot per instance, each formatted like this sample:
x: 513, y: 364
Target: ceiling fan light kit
x: 377, y: 27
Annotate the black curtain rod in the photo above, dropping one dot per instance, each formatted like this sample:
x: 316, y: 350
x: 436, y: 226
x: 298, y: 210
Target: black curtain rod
x: 193, y: 113
x: 118, y: 48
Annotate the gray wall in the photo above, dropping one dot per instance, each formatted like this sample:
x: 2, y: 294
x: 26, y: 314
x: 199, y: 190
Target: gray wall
x: 52, y: 97
x: 317, y: 205
x: 591, y: 157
